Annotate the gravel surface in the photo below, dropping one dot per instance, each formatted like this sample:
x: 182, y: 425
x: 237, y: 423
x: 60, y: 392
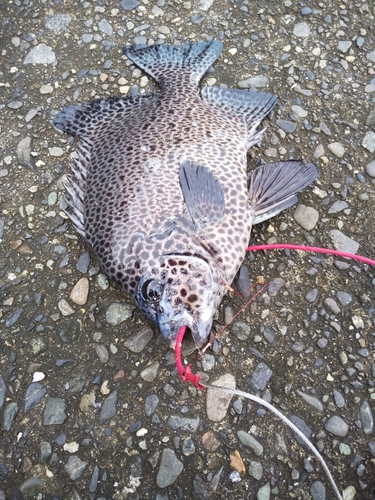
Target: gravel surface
x: 91, y: 406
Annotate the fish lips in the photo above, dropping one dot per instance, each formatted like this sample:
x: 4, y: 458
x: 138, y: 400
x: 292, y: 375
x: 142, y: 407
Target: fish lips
x: 171, y: 321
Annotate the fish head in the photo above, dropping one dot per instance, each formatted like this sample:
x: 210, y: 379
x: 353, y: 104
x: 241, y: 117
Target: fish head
x: 179, y: 293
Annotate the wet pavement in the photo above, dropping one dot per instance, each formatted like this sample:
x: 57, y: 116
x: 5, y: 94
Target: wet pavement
x: 91, y: 406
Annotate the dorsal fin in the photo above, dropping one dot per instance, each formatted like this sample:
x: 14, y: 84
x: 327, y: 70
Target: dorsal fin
x: 253, y: 107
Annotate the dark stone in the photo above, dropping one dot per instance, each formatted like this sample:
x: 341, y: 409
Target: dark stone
x: 54, y: 412
x: 260, y: 377
x: 94, y: 479
x: 135, y: 427
x: 3, y: 391
x: 78, y: 378
x: 69, y: 331
x: 83, y: 262
x: 109, y: 409
x: 12, y: 319
x: 34, y: 394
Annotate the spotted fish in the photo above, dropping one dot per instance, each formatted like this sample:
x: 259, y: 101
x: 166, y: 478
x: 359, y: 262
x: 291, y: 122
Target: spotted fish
x: 160, y: 190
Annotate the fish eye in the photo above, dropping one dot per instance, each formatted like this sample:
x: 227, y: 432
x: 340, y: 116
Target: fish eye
x: 152, y: 290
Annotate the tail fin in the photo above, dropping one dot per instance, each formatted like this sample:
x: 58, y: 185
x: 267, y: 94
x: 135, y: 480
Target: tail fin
x: 274, y: 186
x: 158, y: 60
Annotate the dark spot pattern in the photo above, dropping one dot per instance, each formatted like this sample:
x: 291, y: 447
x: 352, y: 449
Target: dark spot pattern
x: 125, y: 197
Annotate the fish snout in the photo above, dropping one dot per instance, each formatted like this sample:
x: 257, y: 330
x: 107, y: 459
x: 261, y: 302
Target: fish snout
x: 199, y: 325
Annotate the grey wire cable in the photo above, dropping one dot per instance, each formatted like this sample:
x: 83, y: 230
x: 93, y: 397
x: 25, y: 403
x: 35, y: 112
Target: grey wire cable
x: 290, y: 424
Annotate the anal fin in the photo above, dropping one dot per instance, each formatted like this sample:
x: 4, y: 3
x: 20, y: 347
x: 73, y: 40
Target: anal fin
x: 274, y: 187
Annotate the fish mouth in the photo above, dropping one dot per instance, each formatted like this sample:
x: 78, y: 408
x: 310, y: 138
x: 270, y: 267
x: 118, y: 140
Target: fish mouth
x: 199, y: 327
x: 170, y: 328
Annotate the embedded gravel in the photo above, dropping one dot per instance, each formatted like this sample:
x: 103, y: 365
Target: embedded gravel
x: 91, y: 406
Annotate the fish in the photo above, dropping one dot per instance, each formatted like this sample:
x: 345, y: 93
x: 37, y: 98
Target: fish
x: 160, y: 189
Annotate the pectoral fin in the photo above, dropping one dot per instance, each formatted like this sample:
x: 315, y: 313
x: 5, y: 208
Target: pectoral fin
x: 203, y: 193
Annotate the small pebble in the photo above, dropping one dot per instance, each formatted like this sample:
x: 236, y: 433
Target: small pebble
x: 318, y: 491
x: 217, y: 402
x: 188, y: 447
x: 332, y: 305
x: 83, y: 262
x: 312, y: 295
x: 344, y: 298
x: 367, y: 418
x: 337, y: 207
x: 248, y: 440
x: 306, y: 217
x: 339, y: 398
x: 344, y: 45
x: 208, y: 362
x: 75, y: 467
x: 255, y: 470
x: 241, y: 330
x: 102, y: 353
x: 342, y: 242
x: 151, y: 403
x: 337, y: 149
x: 9, y: 415
x: 170, y: 468
x: 344, y: 449
x: 258, y: 81
x: 46, y: 89
x: 40, y: 54
x: 149, y: 373
x: 336, y: 425
x: 118, y: 312
x: 302, y: 30
x: 370, y: 168
x: 80, y: 292
x: 369, y: 141
x: 286, y: 126
x: 349, y: 493
x: 56, y: 151
x: 129, y: 4
x: 264, y: 493
x: 311, y: 401
x: 297, y: 110
x: 183, y: 423
x: 65, y: 308
x: 108, y: 409
x: 138, y: 341
x: 210, y: 442
x: 260, y: 377
x: 32, y: 487
x: 35, y: 392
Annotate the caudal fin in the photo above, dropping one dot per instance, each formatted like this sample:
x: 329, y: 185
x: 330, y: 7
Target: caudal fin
x: 274, y: 186
x: 164, y: 62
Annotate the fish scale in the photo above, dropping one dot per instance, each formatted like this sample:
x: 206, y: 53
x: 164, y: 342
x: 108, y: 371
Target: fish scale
x: 160, y: 189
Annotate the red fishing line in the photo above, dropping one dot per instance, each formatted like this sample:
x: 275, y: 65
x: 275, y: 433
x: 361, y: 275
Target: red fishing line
x: 306, y: 248
x: 185, y: 373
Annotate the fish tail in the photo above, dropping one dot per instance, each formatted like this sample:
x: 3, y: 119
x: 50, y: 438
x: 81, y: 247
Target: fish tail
x: 165, y: 62
x: 274, y: 187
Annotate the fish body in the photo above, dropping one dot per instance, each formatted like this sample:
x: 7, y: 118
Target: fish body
x: 160, y: 189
